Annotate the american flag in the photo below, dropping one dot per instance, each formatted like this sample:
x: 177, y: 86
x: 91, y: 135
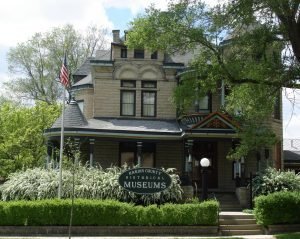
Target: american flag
x: 64, y: 74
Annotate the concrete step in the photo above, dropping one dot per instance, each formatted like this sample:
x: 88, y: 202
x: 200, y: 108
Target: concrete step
x: 230, y: 205
x: 235, y: 215
x: 240, y: 232
x: 236, y: 221
x: 231, y: 209
x: 240, y: 227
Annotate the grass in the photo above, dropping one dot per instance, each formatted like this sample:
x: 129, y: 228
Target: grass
x: 295, y: 235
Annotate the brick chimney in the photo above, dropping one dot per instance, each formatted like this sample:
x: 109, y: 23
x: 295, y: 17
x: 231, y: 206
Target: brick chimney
x: 116, y: 35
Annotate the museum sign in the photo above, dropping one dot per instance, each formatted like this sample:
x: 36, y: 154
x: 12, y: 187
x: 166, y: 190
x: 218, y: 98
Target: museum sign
x: 145, y: 180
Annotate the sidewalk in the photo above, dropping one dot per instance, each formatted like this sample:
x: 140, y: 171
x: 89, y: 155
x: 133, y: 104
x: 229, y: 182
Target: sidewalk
x: 158, y: 237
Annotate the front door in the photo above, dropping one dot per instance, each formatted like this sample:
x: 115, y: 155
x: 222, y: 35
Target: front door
x: 204, y: 149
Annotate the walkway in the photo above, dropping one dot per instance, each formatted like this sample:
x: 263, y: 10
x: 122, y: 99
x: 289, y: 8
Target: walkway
x: 245, y: 237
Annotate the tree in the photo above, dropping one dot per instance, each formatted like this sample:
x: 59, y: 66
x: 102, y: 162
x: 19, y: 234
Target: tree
x: 36, y: 64
x: 252, y: 46
x: 22, y: 144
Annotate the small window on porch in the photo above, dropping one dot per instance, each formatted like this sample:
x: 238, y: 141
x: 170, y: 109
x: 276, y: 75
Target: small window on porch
x: 128, y: 158
x: 128, y: 154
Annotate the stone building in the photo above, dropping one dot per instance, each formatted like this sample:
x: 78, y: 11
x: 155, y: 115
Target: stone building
x: 123, y: 113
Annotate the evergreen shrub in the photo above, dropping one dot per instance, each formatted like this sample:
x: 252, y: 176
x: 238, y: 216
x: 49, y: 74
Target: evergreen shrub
x: 105, y: 213
x: 278, y: 208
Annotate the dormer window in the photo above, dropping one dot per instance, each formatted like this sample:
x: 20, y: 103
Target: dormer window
x: 123, y: 52
x: 138, y: 53
x: 154, y: 55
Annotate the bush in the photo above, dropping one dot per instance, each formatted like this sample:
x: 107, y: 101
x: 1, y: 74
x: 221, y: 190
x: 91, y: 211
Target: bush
x: 273, y: 180
x: 90, y: 183
x: 278, y: 208
x: 105, y: 213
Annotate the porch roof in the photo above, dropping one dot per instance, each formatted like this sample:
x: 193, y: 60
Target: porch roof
x: 118, y: 127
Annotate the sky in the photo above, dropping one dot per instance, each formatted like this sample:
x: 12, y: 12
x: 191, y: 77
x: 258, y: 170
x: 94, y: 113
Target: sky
x: 20, y: 19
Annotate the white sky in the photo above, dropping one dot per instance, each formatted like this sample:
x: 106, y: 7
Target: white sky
x: 20, y: 19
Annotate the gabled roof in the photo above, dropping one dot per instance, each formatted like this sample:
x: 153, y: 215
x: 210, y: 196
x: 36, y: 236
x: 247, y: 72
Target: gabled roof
x: 216, y: 120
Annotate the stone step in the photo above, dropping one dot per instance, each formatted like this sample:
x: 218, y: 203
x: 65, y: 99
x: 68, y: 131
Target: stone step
x: 231, y: 205
x: 235, y: 216
x: 241, y: 227
x: 241, y: 232
x: 231, y: 209
x: 236, y: 221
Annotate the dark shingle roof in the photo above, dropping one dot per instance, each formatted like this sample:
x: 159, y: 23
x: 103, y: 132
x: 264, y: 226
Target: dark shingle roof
x: 86, y: 80
x: 103, y: 55
x: 74, y: 120
x: 291, y: 156
x: 73, y: 117
x: 85, y: 67
x: 141, y: 125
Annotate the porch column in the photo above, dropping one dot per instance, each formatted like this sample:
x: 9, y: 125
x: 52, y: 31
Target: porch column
x: 49, y: 154
x: 92, y: 144
x: 77, y: 148
x: 55, y: 157
x: 223, y: 94
x: 189, y: 159
x: 139, y: 153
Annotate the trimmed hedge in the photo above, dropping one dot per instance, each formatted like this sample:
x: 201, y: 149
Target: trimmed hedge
x: 278, y: 208
x: 105, y: 213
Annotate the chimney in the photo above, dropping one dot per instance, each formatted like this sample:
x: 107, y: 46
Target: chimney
x: 116, y: 35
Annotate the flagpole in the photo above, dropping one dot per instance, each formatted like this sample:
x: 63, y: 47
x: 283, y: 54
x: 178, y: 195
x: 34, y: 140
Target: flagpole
x: 61, y: 146
x: 64, y: 79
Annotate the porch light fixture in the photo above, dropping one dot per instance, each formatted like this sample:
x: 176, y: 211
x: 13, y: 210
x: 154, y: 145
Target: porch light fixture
x: 205, y: 163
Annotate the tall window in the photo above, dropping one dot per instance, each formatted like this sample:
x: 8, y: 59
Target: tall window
x: 149, y: 99
x: 123, y: 52
x: 154, y: 55
x: 203, y: 104
x: 127, y: 98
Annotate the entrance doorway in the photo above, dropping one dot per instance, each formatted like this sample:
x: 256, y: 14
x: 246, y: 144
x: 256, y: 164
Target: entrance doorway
x: 204, y: 149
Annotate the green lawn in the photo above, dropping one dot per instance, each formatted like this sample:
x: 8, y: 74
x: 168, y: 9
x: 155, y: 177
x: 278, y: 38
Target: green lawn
x: 295, y: 235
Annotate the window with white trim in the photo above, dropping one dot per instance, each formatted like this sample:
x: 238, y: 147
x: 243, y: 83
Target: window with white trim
x: 149, y: 98
x: 127, y: 98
